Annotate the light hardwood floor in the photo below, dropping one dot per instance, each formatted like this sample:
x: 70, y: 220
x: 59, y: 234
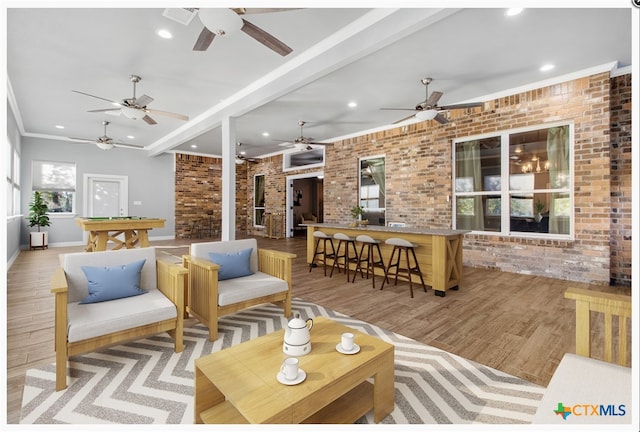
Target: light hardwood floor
x: 518, y: 324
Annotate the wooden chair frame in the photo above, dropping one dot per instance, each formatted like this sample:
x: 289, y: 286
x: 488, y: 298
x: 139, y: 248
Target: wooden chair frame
x: 202, y: 288
x: 609, y: 305
x: 171, y: 281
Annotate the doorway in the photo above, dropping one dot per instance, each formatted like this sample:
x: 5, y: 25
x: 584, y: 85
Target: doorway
x: 105, y: 195
x: 305, y: 199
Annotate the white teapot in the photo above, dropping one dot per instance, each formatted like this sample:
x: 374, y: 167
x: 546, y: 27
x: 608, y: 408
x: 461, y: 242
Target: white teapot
x: 297, y: 336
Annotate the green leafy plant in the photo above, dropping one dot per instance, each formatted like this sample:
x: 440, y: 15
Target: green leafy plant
x: 38, y: 212
x: 356, y: 211
x: 539, y: 206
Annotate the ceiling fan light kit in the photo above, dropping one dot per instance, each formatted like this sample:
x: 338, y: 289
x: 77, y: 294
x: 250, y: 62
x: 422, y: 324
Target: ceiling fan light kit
x: 221, y: 21
x: 426, y: 114
x: 132, y: 113
x: 104, y: 145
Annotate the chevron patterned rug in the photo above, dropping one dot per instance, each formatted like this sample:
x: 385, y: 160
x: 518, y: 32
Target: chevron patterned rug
x: 145, y: 382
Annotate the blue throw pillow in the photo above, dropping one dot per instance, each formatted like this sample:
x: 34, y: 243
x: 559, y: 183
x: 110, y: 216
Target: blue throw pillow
x: 232, y: 265
x: 110, y: 283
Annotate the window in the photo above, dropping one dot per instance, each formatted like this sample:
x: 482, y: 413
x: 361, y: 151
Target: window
x: 57, y: 183
x: 515, y: 182
x: 372, y: 189
x: 258, y: 200
x: 13, y: 181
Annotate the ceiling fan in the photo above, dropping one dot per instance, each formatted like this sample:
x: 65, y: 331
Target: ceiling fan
x: 429, y: 108
x: 302, y: 142
x: 241, y: 158
x: 105, y: 142
x: 135, y: 108
x: 227, y: 22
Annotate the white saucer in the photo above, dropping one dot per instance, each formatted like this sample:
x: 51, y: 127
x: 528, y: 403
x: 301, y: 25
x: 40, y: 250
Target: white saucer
x: 301, y: 377
x: 356, y: 349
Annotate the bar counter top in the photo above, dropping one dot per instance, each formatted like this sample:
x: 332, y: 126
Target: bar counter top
x: 380, y: 228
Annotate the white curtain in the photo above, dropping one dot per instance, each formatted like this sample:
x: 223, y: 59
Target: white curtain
x: 378, y: 174
x: 470, y: 168
x: 558, y: 153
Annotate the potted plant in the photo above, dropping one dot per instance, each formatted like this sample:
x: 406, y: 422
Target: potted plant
x: 539, y: 210
x: 356, y: 214
x: 38, y: 217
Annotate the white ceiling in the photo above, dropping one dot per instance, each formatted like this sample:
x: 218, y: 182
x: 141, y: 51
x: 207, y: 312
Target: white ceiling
x: 375, y: 57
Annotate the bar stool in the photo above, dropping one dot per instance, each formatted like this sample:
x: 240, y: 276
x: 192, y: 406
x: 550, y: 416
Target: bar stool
x: 324, y: 238
x: 373, y: 246
x: 346, y: 241
x: 401, y: 245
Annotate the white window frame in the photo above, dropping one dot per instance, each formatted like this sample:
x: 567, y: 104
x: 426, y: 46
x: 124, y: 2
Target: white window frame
x: 73, y: 190
x: 256, y: 207
x: 505, y: 192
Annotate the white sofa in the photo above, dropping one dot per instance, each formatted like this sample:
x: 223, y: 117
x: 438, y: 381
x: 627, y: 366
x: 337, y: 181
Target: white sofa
x: 209, y: 298
x: 81, y: 328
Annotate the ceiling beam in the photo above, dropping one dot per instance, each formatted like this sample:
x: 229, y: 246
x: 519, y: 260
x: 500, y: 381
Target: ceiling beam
x: 369, y: 33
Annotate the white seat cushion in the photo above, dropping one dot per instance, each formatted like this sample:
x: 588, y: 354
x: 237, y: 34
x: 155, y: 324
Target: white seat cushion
x: 580, y: 381
x: 259, y: 284
x: 396, y: 241
x: 342, y: 236
x: 98, y: 319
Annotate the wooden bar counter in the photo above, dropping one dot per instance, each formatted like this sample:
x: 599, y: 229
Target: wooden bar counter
x: 103, y: 230
x: 439, y: 252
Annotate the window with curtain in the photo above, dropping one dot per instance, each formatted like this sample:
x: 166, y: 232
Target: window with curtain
x: 515, y: 182
x: 56, y: 181
x: 258, y: 200
x: 371, y: 195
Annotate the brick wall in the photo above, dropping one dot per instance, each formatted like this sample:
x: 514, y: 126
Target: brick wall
x: 419, y: 156
x: 620, y: 135
x: 418, y: 166
x: 198, y: 189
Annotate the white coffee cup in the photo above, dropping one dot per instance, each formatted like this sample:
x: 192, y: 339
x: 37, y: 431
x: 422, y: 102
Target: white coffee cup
x: 347, y: 341
x: 289, y: 368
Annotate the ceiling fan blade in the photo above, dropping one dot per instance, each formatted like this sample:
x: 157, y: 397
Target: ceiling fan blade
x: 403, y: 119
x: 149, y: 120
x: 167, y: 114
x: 107, y: 110
x: 441, y: 119
x: 460, y: 106
x: 83, y: 140
x: 244, y: 11
x: 204, y: 40
x: 121, y: 144
x: 144, y: 100
x: 265, y: 38
x: 398, y: 109
x: 97, y: 97
x: 433, y: 98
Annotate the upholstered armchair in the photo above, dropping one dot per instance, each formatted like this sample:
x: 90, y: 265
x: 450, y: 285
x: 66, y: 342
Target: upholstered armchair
x: 104, y: 298
x: 307, y: 218
x: 228, y: 276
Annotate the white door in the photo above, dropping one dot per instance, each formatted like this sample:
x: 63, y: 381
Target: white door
x: 105, y: 195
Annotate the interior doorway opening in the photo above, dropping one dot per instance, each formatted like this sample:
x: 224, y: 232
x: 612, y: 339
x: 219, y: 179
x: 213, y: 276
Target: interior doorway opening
x: 305, y: 202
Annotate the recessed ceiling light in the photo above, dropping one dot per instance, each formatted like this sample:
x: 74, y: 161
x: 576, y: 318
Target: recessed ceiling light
x: 513, y: 11
x: 164, y: 34
x: 547, y: 67
x: 243, y: 152
x: 265, y: 133
x: 352, y: 104
x: 194, y: 146
x: 59, y: 127
x: 130, y: 136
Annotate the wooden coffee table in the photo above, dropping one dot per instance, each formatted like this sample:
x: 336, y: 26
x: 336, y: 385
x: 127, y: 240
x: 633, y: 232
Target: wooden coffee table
x: 239, y: 385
